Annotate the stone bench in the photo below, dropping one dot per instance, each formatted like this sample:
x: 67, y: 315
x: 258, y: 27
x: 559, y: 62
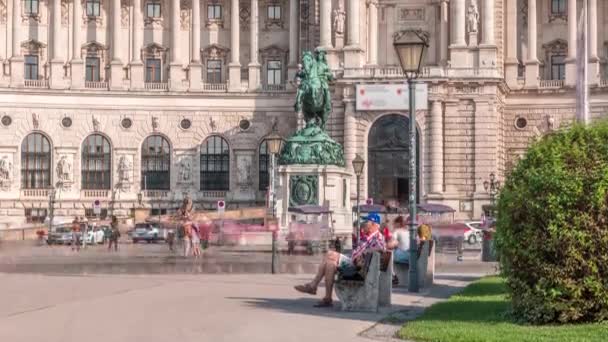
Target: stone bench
x: 371, y: 288
x: 426, y: 267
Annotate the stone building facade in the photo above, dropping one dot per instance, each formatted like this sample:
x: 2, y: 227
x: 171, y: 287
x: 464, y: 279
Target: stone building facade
x: 137, y: 102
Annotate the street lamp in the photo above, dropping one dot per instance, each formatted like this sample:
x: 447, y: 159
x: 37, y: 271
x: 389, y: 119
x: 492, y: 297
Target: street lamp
x: 492, y: 187
x: 52, y: 198
x: 273, y: 142
x: 358, y: 165
x: 410, y: 46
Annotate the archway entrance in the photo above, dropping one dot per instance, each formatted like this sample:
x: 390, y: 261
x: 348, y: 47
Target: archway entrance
x: 388, y: 155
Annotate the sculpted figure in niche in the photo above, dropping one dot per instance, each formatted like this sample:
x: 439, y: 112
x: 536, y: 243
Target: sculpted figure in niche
x: 5, y: 171
x: 64, y: 169
x: 472, y: 17
x: 339, y: 16
x: 124, y: 170
x: 185, y: 170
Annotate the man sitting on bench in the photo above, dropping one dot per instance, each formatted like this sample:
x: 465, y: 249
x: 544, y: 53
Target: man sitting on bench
x: 347, y: 266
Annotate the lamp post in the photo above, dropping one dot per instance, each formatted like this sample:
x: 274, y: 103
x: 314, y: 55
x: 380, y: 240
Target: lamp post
x: 52, y: 198
x: 410, y: 46
x: 274, y: 141
x: 358, y: 165
x: 492, y: 187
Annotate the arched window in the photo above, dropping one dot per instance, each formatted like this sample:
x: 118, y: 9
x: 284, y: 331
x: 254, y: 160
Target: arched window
x: 35, y: 162
x: 96, y: 163
x: 156, y: 163
x: 215, y: 164
x: 263, y: 166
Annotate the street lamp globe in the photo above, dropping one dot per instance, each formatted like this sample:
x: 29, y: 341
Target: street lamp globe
x: 410, y: 46
x: 274, y: 143
x: 358, y: 165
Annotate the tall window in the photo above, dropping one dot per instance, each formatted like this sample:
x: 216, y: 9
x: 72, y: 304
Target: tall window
x: 214, y: 11
x: 35, y: 162
x: 31, y: 67
x: 156, y: 163
x: 214, y: 71
x: 35, y: 215
x: 558, y: 67
x: 92, y: 69
x: 215, y: 164
x: 153, y: 9
x: 558, y: 6
x: 274, y: 72
x: 153, y: 73
x: 93, y: 8
x: 30, y: 7
x: 264, y: 166
x: 274, y: 12
x: 96, y: 163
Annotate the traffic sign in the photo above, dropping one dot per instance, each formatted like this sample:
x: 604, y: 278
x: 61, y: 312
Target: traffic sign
x: 369, y: 201
x: 97, y: 207
x: 221, y: 206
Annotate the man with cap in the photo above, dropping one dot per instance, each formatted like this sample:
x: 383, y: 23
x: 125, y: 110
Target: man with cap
x: 348, y: 266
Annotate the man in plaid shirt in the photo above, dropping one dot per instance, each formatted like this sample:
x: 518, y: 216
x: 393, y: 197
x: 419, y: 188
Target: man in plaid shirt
x: 347, y: 266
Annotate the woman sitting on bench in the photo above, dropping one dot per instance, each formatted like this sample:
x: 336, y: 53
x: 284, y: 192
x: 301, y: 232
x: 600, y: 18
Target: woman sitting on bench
x: 347, y: 266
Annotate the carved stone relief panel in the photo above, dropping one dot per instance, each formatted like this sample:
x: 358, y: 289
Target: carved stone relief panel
x: 3, y: 11
x: 6, y: 171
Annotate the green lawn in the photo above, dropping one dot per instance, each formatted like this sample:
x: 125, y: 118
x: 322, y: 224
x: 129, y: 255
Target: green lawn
x: 478, y: 315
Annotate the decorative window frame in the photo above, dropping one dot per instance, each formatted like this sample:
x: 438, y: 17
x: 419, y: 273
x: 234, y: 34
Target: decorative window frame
x: 272, y: 53
x: 96, y: 20
x: 155, y: 50
x: 557, y: 16
x: 215, y: 23
x: 96, y: 49
x: 37, y: 17
x: 555, y: 47
x: 154, y: 22
x: 218, y: 52
x: 35, y: 47
x: 274, y: 24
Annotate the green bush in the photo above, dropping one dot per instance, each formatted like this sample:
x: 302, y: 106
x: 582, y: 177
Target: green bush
x: 552, y: 230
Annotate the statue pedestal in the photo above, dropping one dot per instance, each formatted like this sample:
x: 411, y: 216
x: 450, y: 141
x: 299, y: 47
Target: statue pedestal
x: 325, y: 185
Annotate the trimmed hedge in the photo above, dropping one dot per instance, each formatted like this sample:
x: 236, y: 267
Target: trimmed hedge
x: 552, y: 229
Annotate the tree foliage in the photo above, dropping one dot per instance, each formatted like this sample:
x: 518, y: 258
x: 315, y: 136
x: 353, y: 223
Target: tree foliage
x: 552, y: 230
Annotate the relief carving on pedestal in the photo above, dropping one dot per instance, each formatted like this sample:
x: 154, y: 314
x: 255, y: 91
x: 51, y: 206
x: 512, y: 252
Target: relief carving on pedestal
x: 6, y: 172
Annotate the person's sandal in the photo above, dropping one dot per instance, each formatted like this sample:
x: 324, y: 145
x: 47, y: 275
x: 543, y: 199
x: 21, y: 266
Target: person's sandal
x: 324, y: 303
x: 306, y: 289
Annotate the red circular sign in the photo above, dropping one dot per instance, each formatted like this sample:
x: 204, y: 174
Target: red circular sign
x: 97, y: 202
x: 221, y: 204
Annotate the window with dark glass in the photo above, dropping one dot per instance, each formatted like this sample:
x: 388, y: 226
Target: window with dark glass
x: 214, y: 71
x: 558, y: 67
x: 214, y: 11
x: 156, y: 163
x: 274, y: 72
x: 274, y: 12
x: 215, y: 164
x: 31, y: 67
x: 35, y: 162
x: 35, y: 215
x: 92, y: 69
x: 153, y: 70
x: 96, y: 163
x: 30, y: 7
x: 153, y: 9
x: 93, y: 8
x: 90, y: 213
x: 558, y: 6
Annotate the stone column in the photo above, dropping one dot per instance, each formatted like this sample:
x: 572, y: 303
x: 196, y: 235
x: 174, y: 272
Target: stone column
x: 137, y: 66
x: 488, y: 22
x: 58, y: 57
x: 352, y: 50
x: 594, y: 66
x: 195, y: 64
x: 325, y: 25
x: 16, y: 58
x: 176, y: 72
x: 572, y: 44
x: 234, y: 68
x: 294, y: 21
x: 436, y: 147
x: 511, y: 61
x: 116, y: 72
x: 77, y: 66
x: 372, y: 44
x: 532, y: 62
x: 254, y: 64
x: 350, y: 138
x: 458, y: 23
x: 443, y: 33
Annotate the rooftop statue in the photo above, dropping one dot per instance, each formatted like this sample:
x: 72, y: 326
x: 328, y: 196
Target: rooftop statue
x: 312, y: 145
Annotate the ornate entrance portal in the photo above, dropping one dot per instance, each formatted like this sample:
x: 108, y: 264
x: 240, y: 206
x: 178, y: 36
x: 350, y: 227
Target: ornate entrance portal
x: 388, y: 155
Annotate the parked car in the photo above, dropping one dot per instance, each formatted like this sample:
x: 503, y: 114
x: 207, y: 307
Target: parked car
x: 61, y: 235
x: 473, y: 233
x: 95, y: 236
x: 148, y: 232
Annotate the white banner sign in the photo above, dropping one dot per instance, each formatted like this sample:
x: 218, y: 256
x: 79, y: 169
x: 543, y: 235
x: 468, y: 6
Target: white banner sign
x: 390, y: 97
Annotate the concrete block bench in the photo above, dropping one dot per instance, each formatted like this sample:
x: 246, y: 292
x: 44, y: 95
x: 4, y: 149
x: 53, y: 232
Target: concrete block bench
x: 371, y: 288
x: 426, y: 267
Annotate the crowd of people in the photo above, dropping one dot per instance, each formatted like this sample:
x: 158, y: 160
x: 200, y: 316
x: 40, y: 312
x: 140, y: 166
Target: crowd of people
x: 112, y: 235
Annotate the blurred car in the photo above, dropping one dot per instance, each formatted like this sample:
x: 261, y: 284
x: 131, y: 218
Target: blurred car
x: 95, y: 236
x: 473, y: 233
x: 61, y: 235
x: 149, y: 232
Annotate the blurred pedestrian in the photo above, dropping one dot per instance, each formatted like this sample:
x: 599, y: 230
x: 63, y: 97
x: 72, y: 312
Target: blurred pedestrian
x: 196, y: 240
x: 76, y: 234
x: 187, y: 237
x: 114, y: 234
x: 171, y: 239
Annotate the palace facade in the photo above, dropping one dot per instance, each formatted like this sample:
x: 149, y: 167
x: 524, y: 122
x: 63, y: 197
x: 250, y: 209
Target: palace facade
x: 138, y: 102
